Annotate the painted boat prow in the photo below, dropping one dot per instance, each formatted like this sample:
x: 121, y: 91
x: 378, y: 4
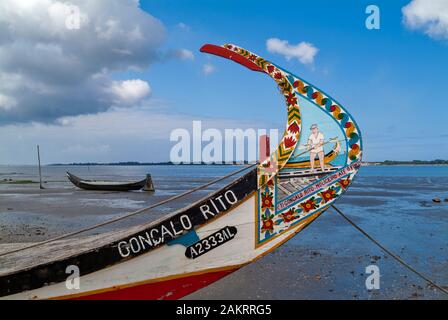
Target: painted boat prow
x: 215, y: 236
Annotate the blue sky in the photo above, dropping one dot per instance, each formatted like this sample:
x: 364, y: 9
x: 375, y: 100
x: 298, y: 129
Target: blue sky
x: 392, y: 80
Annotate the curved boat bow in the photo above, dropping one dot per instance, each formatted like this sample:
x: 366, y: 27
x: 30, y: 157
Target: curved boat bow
x: 222, y: 232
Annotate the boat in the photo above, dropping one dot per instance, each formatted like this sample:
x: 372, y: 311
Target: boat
x: 145, y: 184
x: 210, y: 238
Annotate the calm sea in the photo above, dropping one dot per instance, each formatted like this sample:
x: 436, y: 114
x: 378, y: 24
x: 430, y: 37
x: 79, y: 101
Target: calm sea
x: 184, y: 172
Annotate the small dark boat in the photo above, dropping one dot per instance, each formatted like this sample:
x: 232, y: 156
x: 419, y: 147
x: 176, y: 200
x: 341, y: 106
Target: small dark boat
x: 145, y: 184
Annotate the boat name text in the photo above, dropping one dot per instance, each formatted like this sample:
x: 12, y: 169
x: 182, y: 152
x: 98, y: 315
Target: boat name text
x: 178, y: 225
x: 211, y: 242
x: 218, y: 204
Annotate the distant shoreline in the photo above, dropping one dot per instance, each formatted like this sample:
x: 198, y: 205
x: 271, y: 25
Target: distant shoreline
x: 367, y: 163
x: 136, y: 163
x: 437, y: 162
x: 150, y: 164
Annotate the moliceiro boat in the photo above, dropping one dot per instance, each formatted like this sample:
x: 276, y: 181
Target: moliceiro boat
x: 220, y: 233
x: 145, y: 184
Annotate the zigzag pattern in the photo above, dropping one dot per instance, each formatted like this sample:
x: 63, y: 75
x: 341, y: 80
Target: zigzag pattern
x: 294, y: 115
x: 281, y: 156
x: 291, y: 88
x: 283, y: 153
x: 262, y: 64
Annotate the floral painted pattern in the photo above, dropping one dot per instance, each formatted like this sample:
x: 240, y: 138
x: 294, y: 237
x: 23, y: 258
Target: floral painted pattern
x: 309, y: 205
x: 344, y: 183
x: 291, y: 99
x: 268, y: 223
x: 290, y: 142
x: 267, y: 200
x: 273, y: 220
x: 289, y: 215
x: 294, y: 127
x: 328, y: 194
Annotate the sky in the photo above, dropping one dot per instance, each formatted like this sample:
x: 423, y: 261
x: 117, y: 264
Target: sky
x: 114, y: 83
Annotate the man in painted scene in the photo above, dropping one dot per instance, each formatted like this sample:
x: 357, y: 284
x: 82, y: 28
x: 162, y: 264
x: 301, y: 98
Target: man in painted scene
x: 315, y: 143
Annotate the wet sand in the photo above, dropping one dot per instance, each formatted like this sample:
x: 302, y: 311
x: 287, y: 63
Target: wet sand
x: 325, y: 261
x: 28, y: 214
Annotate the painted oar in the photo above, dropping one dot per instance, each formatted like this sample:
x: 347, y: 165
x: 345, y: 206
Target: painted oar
x: 308, y: 150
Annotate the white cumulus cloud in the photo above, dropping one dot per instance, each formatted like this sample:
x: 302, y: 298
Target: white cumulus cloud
x: 303, y: 51
x: 120, y: 134
x: 430, y: 16
x: 130, y: 91
x: 57, y: 57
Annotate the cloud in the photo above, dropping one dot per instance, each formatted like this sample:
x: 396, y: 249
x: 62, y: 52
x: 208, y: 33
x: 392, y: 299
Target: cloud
x: 130, y: 91
x: 183, y: 54
x: 57, y: 59
x: 183, y: 26
x: 208, y: 68
x: 429, y: 16
x: 303, y: 51
x: 121, y: 134
x: 7, y: 102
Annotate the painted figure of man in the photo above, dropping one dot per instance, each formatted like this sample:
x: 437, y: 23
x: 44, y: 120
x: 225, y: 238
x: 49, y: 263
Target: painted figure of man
x: 315, y: 143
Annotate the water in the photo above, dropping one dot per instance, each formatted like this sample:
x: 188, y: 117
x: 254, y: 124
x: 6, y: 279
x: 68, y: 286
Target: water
x: 328, y: 259
x: 404, y: 171
x: 30, y: 214
x: 56, y: 173
x: 325, y: 261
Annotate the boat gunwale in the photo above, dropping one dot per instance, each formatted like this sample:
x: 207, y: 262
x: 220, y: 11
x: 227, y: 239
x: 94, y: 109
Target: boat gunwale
x: 245, y: 178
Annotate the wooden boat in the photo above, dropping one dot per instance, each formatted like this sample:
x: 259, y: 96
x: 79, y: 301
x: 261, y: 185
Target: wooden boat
x: 145, y: 184
x: 205, y: 241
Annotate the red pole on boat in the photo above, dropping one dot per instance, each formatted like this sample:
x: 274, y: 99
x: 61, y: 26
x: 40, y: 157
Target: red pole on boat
x: 264, y: 146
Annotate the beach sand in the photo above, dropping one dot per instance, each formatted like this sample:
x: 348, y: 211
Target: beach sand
x: 327, y: 260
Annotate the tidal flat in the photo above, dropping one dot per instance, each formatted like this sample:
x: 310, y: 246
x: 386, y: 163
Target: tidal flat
x: 327, y: 260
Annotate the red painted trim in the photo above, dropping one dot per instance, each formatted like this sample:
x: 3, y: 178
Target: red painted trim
x: 163, y: 290
x: 229, y: 54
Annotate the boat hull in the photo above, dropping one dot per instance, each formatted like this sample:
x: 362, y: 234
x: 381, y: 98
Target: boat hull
x: 166, y: 273
x: 95, y: 186
x: 171, y: 288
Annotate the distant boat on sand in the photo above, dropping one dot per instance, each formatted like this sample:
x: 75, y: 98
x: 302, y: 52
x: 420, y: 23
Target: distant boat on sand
x: 145, y: 184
